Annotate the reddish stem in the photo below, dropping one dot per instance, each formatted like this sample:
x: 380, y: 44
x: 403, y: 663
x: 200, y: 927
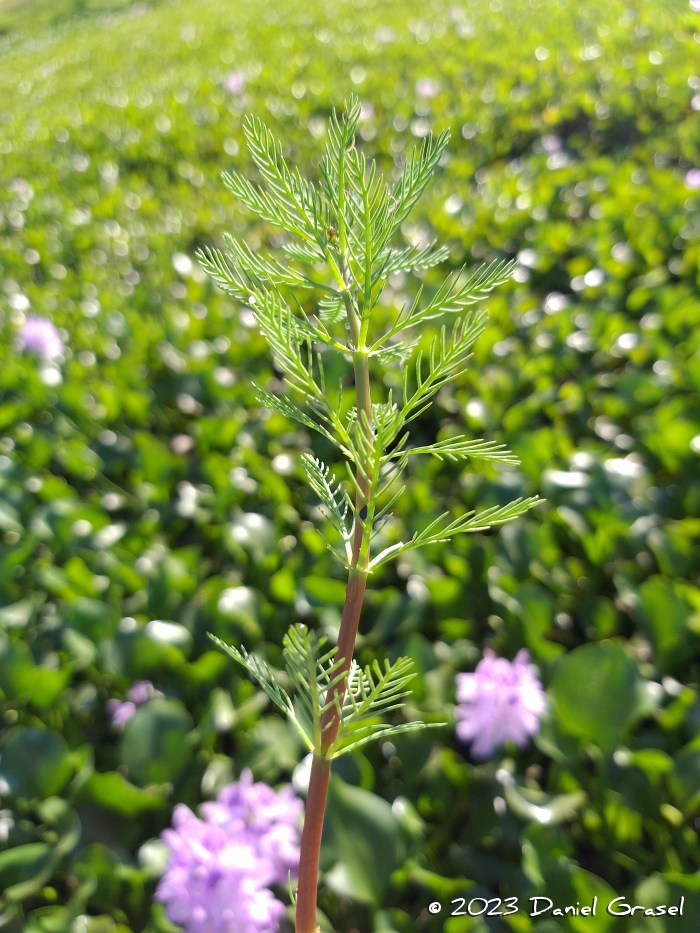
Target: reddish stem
x: 311, y: 846
x: 320, y: 768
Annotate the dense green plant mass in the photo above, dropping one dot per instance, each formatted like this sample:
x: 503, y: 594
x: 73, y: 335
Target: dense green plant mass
x: 139, y: 510
x: 36, y: 14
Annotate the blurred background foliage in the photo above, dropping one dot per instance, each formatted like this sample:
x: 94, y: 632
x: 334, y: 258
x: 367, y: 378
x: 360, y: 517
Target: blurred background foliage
x: 146, y: 499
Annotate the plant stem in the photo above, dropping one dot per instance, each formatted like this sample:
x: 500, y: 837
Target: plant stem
x: 311, y: 846
x: 307, y: 887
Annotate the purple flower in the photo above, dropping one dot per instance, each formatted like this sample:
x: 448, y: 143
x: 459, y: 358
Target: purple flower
x: 234, y: 82
x: 120, y: 712
x: 500, y: 701
x: 141, y: 692
x: 221, y: 866
x: 38, y: 335
x: 427, y: 87
x: 692, y: 179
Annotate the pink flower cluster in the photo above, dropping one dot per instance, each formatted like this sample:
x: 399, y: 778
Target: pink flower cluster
x: 121, y: 712
x: 39, y: 336
x: 221, y: 866
x: 692, y: 178
x: 234, y: 82
x: 501, y: 701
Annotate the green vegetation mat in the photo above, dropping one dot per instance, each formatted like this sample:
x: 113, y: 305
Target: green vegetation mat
x: 139, y: 510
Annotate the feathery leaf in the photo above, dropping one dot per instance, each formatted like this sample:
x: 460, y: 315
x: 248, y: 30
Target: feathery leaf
x: 416, y: 174
x: 332, y: 496
x: 457, y: 448
x: 437, y: 531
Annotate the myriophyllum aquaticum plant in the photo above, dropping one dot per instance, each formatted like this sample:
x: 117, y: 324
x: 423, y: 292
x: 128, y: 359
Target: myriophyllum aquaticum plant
x: 323, y: 299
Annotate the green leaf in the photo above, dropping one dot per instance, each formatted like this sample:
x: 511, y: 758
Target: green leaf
x: 113, y: 791
x: 457, y: 448
x: 283, y: 586
x: 290, y: 341
x: 371, y: 693
x: 586, y: 887
x: 332, y: 496
x: 323, y: 591
x: 452, y: 298
x: 16, y: 667
x: 287, y: 408
x: 314, y: 673
x: 304, y: 252
x: 155, y: 744
x: 263, y: 675
x: 92, y: 618
x: 654, y: 763
x: 411, y: 258
x: 684, y: 779
x: 265, y: 270
x: 23, y: 680
x: 395, y: 353
x: 18, y: 614
x: 543, y: 808
x: 676, y: 885
x: 221, y: 270
x: 48, y: 685
x: 446, y: 358
x: 289, y: 201
x: 272, y: 748
x: 549, y: 866
x: 23, y: 864
x: 594, y: 693
x: 361, y: 840
x: 100, y: 869
x: 372, y: 732
x: 332, y: 309
x: 438, y: 530
x: 416, y: 174
x: 34, y: 762
x: 666, y: 616
x: 9, y: 517
x: 341, y: 138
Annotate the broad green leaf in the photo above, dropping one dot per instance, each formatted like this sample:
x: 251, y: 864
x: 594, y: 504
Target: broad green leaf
x: 594, y: 693
x: 323, y: 591
x: 666, y: 616
x: 22, y: 679
x: 113, y: 791
x: 9, y: 517
x: 543, y: 808
x: 549, y: 866
x: 92, y: 618
x: 16, y: 667
x: 272, y: 749
x: 17, y: 615
x: 684, y: 779
x: 686, y: 886
x: 23, y: 864
x: 34, y: 762
x: 99, y: 866
x: 361, y: 840
x: 154, y: 746
x: 653, y: 762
